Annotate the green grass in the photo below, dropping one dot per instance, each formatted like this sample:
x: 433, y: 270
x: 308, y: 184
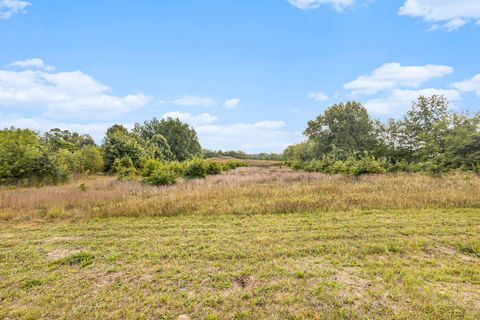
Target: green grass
x: 381, y: 264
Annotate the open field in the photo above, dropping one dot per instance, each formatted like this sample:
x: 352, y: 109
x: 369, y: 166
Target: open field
x: 253, y: 190
x: 255, y: 243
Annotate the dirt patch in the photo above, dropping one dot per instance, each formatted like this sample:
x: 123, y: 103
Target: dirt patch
x: 453, y: 251
x: 58, y: 254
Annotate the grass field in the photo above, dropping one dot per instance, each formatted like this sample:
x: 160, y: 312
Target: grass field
x: 256, y: 243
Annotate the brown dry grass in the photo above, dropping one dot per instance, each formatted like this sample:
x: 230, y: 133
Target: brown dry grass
x: 253, y: 190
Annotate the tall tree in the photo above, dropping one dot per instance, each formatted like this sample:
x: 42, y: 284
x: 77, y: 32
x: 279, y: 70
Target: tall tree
x: 342, y: 128
x: 181, y: 138
x: 420, y: 135
x: 119, y: 143
x: 57, y: 139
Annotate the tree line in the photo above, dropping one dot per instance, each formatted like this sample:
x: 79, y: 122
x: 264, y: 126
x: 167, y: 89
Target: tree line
x: 429, y: 138
x: 27, y: 158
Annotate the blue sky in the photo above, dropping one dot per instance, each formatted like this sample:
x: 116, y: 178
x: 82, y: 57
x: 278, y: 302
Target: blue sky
x: 247, y: 74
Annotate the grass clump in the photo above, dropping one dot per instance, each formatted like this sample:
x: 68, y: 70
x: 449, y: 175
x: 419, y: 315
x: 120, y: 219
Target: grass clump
x: 82, y: 259
x: 31, y: 283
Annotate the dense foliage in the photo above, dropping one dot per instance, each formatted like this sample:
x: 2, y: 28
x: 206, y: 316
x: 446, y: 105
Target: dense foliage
x: 429, y: 138
x: 167, y: 173
x: 27, y: 158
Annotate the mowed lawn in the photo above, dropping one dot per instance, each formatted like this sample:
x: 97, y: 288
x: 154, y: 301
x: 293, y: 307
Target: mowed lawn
x: 356, y: 263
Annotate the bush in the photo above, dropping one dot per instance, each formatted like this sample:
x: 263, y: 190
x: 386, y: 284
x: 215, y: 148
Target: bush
x: 195, y: 169
x: 233, y: 164
x: 162, y: 176
x: 364, y: 165
x: 352, y: 165
x: 124, y: 168
x: 214, y: 167
x: 90, y: 159
x: 150, y: 166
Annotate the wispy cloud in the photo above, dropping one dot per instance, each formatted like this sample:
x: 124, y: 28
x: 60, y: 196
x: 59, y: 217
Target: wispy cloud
x: 318, y: 96
x: 191, y: 101
x: 443, y: 14
x: 313, y: 4
x: 200, y: 119
x: 392, y: 76
x: 399, y: 101
x: 231, y: 103
x: 35, y: 63
x: 469, y: 85
x: 10, y: 7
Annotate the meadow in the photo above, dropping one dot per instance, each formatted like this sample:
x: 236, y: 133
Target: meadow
x: 262, y: 242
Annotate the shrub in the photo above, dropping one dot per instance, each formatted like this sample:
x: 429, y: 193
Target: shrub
x: 177, y: 167
x: 195, y: 169
x: 364, y: 165
x: 90, y: 159
x: 214, y: 167
x: 150, y: 166
x: 233, y: 164
x: 124, y: 168
x: 162, y: 176
x: 339, y: 167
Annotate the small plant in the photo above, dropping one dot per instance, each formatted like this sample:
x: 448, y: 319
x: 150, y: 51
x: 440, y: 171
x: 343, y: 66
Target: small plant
x: 83, y: 187
x: 30, y: 283
x: 82, y: 259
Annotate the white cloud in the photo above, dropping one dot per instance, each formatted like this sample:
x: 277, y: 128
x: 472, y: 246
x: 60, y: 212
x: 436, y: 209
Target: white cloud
x: 34, y: 63
x: 469, y: 85
x: 446, y: 14
x: 72, y: 94
x: 313, y: 4
x: 399, y: 101
x: 191, y: 101
x: 10, y: 7
x: 318, y: 96
x: 392, y: 75
x: 263, y: 136
x: 201, y: 119
x: 231, y: 103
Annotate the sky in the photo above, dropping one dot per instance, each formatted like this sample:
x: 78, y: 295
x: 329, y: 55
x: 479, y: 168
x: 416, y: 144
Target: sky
x: 246, y: 74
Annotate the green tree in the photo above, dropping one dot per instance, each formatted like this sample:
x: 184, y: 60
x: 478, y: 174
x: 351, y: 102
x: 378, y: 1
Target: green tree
x: 301, y: 151
x: 344, y: 128
x: 24, y: 157
x: 181, y: 138
x: 420, y: 135
x: 462, y: 142
x: 120, y: 143
x: 159, y: 147
x: 57, y: 139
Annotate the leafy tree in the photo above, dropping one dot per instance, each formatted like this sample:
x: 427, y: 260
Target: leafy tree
x: 159, y: 147
x: 420, y: 135
x: 301, y: 151
x: 462, y: 142
x: 119, y: 143
x: 181, y: 138
x: 24, y: 157
x: 57, y: 139
x: 344, y: 127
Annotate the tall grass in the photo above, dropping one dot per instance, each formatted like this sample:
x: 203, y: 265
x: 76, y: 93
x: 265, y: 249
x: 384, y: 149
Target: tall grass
x: 251, y: 190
